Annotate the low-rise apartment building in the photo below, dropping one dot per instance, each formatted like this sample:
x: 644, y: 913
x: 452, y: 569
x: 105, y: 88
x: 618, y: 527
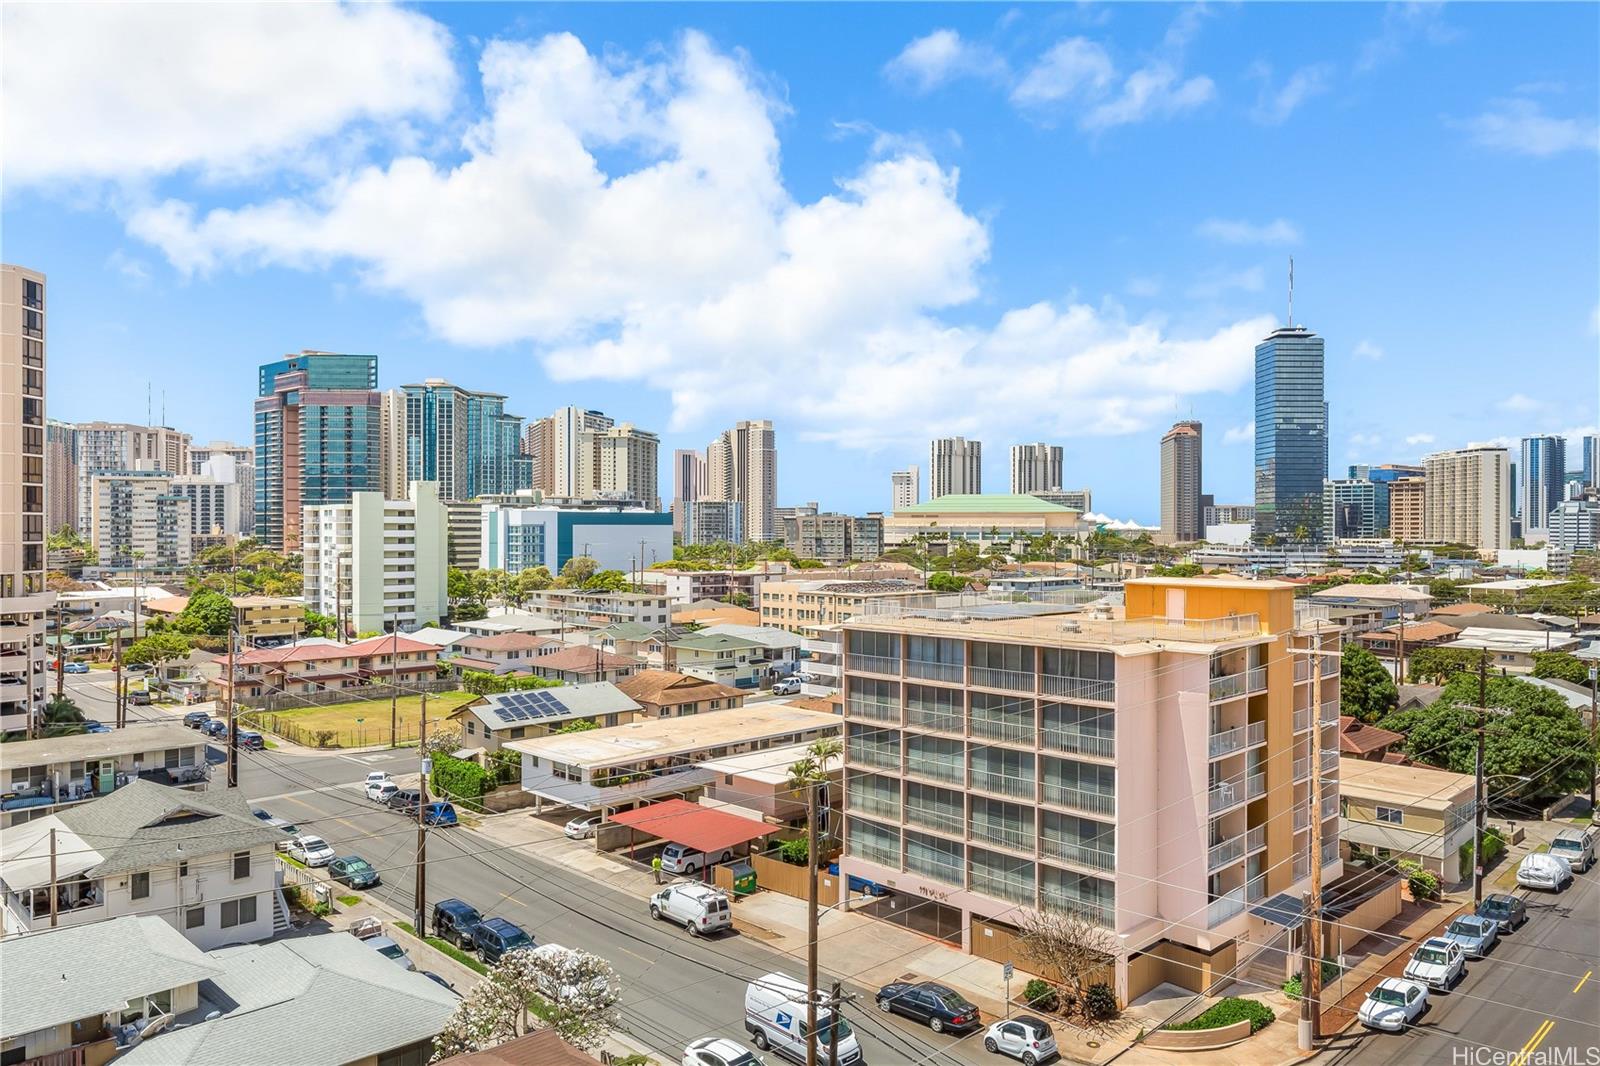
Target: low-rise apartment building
x: 198, y: 860
x: 684, y: 587
x: 1407, y: 812
x: 1150, y: 769
x: 328, y: 666
x: 46, y: 776
x: 834, y: 538
x: 257, y: 617
x: 801, y: 605
x: 502, y: 653
x: 580, y: 610
x: 727, y: 660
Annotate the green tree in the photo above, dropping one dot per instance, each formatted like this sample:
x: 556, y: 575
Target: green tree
x: 319, y: 625
x: 579, y: 725
x: 62, y: 718
x: 1178, y: 570
x: 1561, y: 665
x: 1366, y: 690
x: 813, y: 768
x: 607, y: 581
x: 157, y: 648
x: 533, y: 579
x: 208, y: 612
x: 738, y: 599
x: 1437, y: 665
x: 943, y: 581
x: 579, y: 569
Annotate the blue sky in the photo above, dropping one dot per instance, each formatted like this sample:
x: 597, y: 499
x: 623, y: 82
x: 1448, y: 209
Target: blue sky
x: 871, y: 224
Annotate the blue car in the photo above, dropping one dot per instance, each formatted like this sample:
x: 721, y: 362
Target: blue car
x: 439, y: 813
x: 76, y: 668
x: 497, y: 938
x: 96, y: 727
x: 216, y: 729
x: 860, y: 884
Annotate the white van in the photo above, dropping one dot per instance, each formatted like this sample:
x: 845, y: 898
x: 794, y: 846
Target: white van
x: 775, y: 1018
x: 679, y: 859
x: 698, y: 908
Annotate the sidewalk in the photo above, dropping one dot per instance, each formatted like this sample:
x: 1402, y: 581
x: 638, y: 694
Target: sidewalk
x: 1414, y: 924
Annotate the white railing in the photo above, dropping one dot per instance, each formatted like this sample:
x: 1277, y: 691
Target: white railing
x: 1330, y: 851
x: 1302, y: 768
x: 1330, y: 806
x: 1077, y: 798
x: 1225, y: 907
x: 1302, y: 867
x: 1227, y: 686
x: 1255, y: 839
x: 1255, y: 889
x: 1230, y: 850
x: 1302, y: 670
x: 1330, y: 712
x: 1330, y: 760
x: 873, y: 664
x: 1256, y: 679
x: 1302, y: 817
x: 1302, y: 719
x: 1255, y: 786
x: 1079, y: 743
x: 932, y: 671
x: 1078, y: 688
x: 992, y: 677
x: 1093, y: 858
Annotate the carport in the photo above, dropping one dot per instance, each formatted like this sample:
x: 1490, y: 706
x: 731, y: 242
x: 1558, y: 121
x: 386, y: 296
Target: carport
x: 697, y: 828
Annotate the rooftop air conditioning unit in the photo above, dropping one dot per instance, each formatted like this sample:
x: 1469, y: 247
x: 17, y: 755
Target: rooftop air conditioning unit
x: 1071, y: 627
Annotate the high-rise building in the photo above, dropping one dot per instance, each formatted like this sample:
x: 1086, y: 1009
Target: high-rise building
x: 319, y: 421
x: 514, y: 536
x: 215, y: 460
x: 539, y: 445
x: 712, y: 521
x: 392, y: 444
x: 625, y: 462
x: 137, y: 519
x: 213, y: 498
x: 1408, y: 509
x: 1227, y: 514
x: 688, y: 478
x: 1465, y: 498
x: 571, y: 460
x: 955, y: 467
x: 1591, y: 461
x: 1349, y: 508
x: 1575, y: 525
x: 834, y: 538
x: 1382, y: 477
x: 907, y: 487
x: 742, y: 466
x: 1181, y: 518
x: 1035, y: 468
x: 1291, y: 434
x: 463, y: 441
x: 102, y: 447
x: 25, y: 603
x: 377, y: 563
x: 996, y: 761
x: 61, y: 475
x: 1543, y: 474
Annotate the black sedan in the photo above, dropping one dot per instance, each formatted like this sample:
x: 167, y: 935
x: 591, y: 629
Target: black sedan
x: 354, y: 871
x: 943, y: 1008
x: 1509, y: 912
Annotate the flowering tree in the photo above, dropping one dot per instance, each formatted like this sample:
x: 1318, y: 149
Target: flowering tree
x: 573, y: 992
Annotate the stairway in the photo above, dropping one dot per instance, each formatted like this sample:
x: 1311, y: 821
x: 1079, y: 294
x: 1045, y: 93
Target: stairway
x: 280, y: 913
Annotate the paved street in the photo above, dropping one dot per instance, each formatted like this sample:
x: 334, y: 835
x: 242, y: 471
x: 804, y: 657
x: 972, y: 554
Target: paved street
x: 1536, y: 992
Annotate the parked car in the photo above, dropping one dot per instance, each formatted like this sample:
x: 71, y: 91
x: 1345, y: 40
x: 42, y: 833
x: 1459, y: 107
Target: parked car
x: 1576, y: 846
x: 860, y: 884
x: 439, y: 812
x: 786, y: 686
x: 404, y: 800
x: 1437, y: 963
x: 496, y: 938
x: 382, y: 792
x: 354, y: 871
x: 681, y: 859
x: 197, y: 719
x: 252, y: 741
x: 137, y: 668
x: 805, y: 677
x: 311, y: 850
x: 1023, y: 1037
x: 1475, y: 935
x: 454, y: 921
x: 92, y: 726
x: 716, y: 1051
x: 941, y: 1007
x: 390, y: 950
x: 139, y: 697
x: 76, y: 668
x: 1508, y: 912
x: 1539, y: 870
x: 215, y: 728
x: 583, y: 827
x: 374, y: 779
x: 441, y: 982
x: 1393, y: 1005
x: 698, y: 908
x: 775, y: 1015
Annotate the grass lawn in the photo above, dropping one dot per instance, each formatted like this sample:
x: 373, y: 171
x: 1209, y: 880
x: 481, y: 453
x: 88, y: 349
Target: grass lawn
x: 365, y: 722
x: 348, y: 901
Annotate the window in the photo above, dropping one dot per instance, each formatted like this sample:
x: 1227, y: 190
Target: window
x: 238, y: 912
x: 183, y: 869
x: 1007, y: 718
x: 241, y: 865
x: 874, y: 747
x: 1392, y: 815
x: 872, y: 794
x: 933, y: 857
x: 1007, y: 772
x: 1086, y: 786
x: 936, y: 658
x: 943, y: 809
x: 934, y: 708
x: 873, y: 842
x: 935, y: 757
x: 1009, y: 825
x: 1089, y: 675
x: 1000, y: 876
x: 139, y: 885
x: 194, y: 918
x: 871, y: 698
x: 472, y: 728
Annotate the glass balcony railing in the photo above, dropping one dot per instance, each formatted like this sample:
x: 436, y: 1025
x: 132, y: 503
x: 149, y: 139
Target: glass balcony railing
x: 1255, y: 839
x: 1220, y: 855
x: 1302, y: 818
x: 1330, y: 712
x: 1302, y: 719
x: 1330, y: 851
x: 1302, y: 768
x: 1225, y: 907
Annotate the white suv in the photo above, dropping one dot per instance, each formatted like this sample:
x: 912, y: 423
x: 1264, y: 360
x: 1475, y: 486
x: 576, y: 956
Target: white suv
x: 698, y: 908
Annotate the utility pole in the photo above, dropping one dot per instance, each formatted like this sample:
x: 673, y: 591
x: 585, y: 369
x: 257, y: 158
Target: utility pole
x: 420, y: 890
x: 61, y: 654
x: 1311, y: 931
x: 116, y: 679
x: 811, y: 923
x: 1594, y: 688
x: 394, y: 687
x: 834, y: 1001
x: 1478, y: 790
x: 233, y: 723
x: 52, y: 878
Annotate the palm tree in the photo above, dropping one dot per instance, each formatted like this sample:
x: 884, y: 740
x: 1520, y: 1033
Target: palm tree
x: 812, y: 769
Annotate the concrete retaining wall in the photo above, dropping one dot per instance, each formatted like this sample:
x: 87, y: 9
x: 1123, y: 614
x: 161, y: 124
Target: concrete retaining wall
x: 1197, y: 1039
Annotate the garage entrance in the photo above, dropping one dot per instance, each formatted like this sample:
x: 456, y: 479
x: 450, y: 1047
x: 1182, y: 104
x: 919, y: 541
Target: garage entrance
x: 924, y: 916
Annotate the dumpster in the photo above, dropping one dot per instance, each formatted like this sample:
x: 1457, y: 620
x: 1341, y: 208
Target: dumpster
x: 744, y: 877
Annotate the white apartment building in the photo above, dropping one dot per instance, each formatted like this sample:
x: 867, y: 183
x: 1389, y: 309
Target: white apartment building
x: 742, y: 467
x: 49, y: 775
x: 955, y: 467
x: 579, y: 611
x: 375, y: 562
x: 1035, y: 468
x: 213, y: 501
x: 907, y: 487
x: 624, y: 459
x: 712, y: 521
x: 1575, y: 526
x: 392, y: 444
x: 118, y: 446
x: 24, y: 600
x: 1467, y: 497
x: 223, y: 460
x: 138, y: 518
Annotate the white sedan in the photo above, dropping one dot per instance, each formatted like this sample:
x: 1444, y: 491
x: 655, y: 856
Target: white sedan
x: 583, y: 827
x: 715, y: 1051
x: 1438, y: 963
x: 1393, y: 1005
x: 313, y: 851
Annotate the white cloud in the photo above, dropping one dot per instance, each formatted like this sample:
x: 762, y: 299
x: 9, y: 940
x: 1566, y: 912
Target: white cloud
x: 1275, y: 105
x: 1404, y: 24
x: 1143, y: 287
x: 1217, y: 283
x: 1366, y: 349
x: 1522, y: 127
x: 1241, y: 231
x: 1520, y: 403
x: 122, y: 91
x: 683, y: 261
x: 940, y: 57
x: 1420, y: 438
x: 1511, y: 443
x: 1072, y: 67
x: 1240, y: 434
x: 1154, y: 91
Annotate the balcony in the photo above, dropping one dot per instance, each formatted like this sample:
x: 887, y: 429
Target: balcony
x: 1255, y: 889
x: 1102, y: 914
x: 1330, y: 851
x: 1078, y: 688
x: 1220, y: 855
x: 1078, y: 799
x: 1078, y: 855
x: 1243, y: 683
x: 1102, y: 746
x: 873, y: 664
x: 1011, y: 680
x: 1237, y: 739
x: 1330, y: 712
x: 929, y: 671
x: 1225, y: 907
x: 1255, y: 839
x: 1302, y: 670
x: 1330, y: 806
x: 1302, y: 868
x: 1302, y: 768
x: 1302, y: 818
x: 873, y: 710
x: 1302, y: 720
x: 1330, y: 761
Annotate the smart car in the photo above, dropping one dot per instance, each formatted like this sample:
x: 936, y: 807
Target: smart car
x: 1023, y: 1037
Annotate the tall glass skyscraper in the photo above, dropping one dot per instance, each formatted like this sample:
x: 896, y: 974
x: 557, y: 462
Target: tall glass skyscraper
x: 465, y: 441
x: 318, y: 422
x: 1542, y: 471
x: 1291, y: 435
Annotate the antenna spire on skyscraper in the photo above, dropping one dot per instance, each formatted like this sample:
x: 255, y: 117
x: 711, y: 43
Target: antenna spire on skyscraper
x: 1291, y: 292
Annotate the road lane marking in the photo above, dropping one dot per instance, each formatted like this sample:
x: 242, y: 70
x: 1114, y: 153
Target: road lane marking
x: 1581, y: 982
x: 1533, y: 1042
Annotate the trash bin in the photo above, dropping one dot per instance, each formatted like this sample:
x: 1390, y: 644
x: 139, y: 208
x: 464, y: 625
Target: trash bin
x: 744, y: 877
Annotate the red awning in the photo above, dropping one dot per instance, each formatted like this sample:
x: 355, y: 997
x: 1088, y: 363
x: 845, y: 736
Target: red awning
x: 695, y: 827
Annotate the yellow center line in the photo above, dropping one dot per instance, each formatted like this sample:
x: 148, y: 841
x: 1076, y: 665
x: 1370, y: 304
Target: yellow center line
x: 1533, y: 1043
x: 1581, y: 981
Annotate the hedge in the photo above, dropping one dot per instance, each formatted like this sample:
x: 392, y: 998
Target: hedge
x: 1493, y: 845
x: 460, y: 779
x: 1227, y: 1011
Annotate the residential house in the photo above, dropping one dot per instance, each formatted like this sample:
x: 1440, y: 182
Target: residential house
x: 327, y: 1000
x: 541, y: 1048
x: 443, y: 639
x: 325, y: 666
x: 1513, y: 649
x: 501, y: 653
x: 710, y: 613
x: 668, y: 694
x: 74, y: 994
x: 198, y: 860
x: 642, y: 640
x: 728, y: 660
x: 1406, y: 812
x: 512, y: 620
x: 781, y: 646
x: 1414, y: 696
x: 1360, y: 740
x: 1460, y: 610
x: 46, y: 776
x: 492, y: 720
x: 575, y: 665
x: 1427, y: 633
